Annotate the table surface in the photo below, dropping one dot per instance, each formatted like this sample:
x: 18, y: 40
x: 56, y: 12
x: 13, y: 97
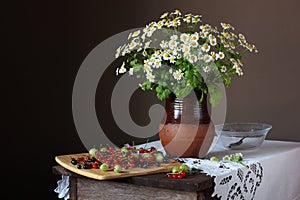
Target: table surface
x: 201, y: 182
x: 191, y: 183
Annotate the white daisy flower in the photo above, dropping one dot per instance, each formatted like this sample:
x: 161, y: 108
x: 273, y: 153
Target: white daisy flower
x: 157, y: 63
x: 207, y: 58
x: 164, y: 15
x: 143, y: 37
x: 129, y: 36
x: 136, y: 33
x: 147, y: 45
x: 240, y: 62
x: 242, y: 37
x: 242, y: 42
x: 147, y: 68
x: 170, y: 70
x: 177, y: 12
x: 130, y: 71
x: 226, y: 26
x: 187, y: 19
x: 223, y: 69
x: 206, y: 69
x: 196, y: 19
x: 173, y: 44
x: 193, y: 59
x: 185, y: 48
x: 174, y: 51
x: 172, y: 59
x: 122, y: 69
x: 204, y: 34
x: 118, y: 51
x: 184, y: 37
x: 235, y: 66
x: 220, y: 55
x: 213, y: 55
x: 179, y: 56
x: 164, y: 44
x: 178, y: 75
x: 125, y: 51
x: 150, y: 77
x: 226, y: 35
x: 194, y: 37
x: 213, y: 42
x: 232, y: 45
x: 239, y: 71
x: 211, y: 36
x: 175, y: 23
x: 187, y: 55
x: 147, y: 62
x: 159, y: 24
x: 205, y: 27
x: 249, y: 47
x: 194, y: 43
x: 166, y: 56
x: 225, y: 44
x: 254, y: 48
x: 205, y: 48
x: 174, y: 37
x: 233, y: 61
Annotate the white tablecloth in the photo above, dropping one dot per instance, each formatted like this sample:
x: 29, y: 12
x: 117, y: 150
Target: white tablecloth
x: 280, y: 161
x: 276, y: 166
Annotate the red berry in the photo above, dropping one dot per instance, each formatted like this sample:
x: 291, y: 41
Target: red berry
x: 151, y: 158
x: 95, y: 166
x: 169, y: 176
x: 182, y: 173
x: 179, y: 176
x: 175, y: 176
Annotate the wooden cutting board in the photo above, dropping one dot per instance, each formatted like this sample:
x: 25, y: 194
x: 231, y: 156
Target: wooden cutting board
x: 65, y: 161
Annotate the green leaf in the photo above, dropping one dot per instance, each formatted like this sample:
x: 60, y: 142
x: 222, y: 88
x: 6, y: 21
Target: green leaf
x: 215, y: 95
x: 146, y: 86
x: 178, y: 62
x: 159, y: 89
x: 183, y: 92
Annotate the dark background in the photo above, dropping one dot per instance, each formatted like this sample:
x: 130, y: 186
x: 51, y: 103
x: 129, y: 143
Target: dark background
x: 45, y: 42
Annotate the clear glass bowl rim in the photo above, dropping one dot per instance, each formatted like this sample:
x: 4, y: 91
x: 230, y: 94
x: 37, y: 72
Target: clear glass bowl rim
x: 265, y: 127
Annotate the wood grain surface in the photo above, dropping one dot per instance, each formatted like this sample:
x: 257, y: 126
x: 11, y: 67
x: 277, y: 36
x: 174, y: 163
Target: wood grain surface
x: 65, y: 161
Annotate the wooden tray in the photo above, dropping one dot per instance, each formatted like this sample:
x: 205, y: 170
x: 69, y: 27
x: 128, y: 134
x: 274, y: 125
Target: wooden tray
x: 65, y: 161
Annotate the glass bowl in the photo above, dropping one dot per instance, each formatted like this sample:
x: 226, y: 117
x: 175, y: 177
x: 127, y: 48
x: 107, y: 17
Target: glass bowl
x: 242, y: 136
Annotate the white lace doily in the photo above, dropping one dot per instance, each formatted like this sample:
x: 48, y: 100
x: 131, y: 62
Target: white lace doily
x: 63, y: 187
x: 232, y: 180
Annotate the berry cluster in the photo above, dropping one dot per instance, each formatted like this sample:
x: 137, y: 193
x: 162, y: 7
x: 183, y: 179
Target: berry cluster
x: 178, y: 172
x: 86, y: 162
x: 124, y: 158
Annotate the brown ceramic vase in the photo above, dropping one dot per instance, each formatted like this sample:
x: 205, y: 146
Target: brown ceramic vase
x: 187, y: 130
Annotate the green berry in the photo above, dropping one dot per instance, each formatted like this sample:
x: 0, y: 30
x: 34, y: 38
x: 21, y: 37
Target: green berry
x: 159, y: 157
x: 215, y: 158
x: 117, y: 169
x: 184, y: 168
x: 175, y: 169
x: 103, y: 149
x: 92, y: 152
x: 104, y: 167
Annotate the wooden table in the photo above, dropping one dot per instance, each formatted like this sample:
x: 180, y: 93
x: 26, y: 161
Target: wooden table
x: 156, y: 186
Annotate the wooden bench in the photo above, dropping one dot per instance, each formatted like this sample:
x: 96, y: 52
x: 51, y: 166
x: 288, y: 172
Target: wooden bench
x: 156, y: 186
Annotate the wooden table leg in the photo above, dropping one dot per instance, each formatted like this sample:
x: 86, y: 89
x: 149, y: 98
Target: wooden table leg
x: 73, y: 188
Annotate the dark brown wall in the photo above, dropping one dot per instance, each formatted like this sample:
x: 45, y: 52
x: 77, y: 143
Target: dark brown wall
x: 44, y: 44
